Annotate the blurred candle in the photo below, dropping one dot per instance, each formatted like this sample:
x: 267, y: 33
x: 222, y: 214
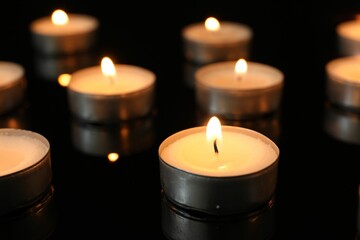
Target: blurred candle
x: 109, y: 92
x: 213, y: 41
x: 12, y: 85
x: 63, y: 33
x: 343, y: 82
x: 348, y: 34
x: 224, y: 168
x: 238, y: 89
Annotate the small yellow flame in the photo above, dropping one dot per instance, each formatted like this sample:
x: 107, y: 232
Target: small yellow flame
x: 240, y: 68
x: 59, y: 17
x: 214, y: 134
x: 113, y: 157
x: 212, y: 24
x: 107, y: 67
x: 64, y: 79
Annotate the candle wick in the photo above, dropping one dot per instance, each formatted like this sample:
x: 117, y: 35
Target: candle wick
x: 215, y: 147
x: 111, y: 80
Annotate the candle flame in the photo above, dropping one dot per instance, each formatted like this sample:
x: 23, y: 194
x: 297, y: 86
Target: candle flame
x: 59, y: 17
x: 113, y: 157
x: 64, y: 79
x: 214, y: 134
x: 107, y: 67
x: 240, y: 68
x: 212, y: 24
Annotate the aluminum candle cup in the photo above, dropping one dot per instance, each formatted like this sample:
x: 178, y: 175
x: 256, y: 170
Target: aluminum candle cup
x: 25, y: 169
x: 77, y: 35
x: 348, y: 34
x: 221, y: 92
x: 343, y: 82
x: 234, y: 181
x: 12, y: 85
x: 94, y: 97
x: 179, y: 224
x: 125, y: 138
x: 230, y: 42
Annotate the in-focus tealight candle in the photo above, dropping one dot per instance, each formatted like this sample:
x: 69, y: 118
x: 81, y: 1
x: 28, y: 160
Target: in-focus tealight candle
x: 238, y: 89
x: 25, y: 168
x: 348, y: 36
x: 343, y: 82
x: 12, y: 85
x: 63, y: 33
x: 213, y: 41
x: 109, y: 92
x: 231, y: 170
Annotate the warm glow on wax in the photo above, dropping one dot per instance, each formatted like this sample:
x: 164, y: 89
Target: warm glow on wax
x: 212, y: 24
x: 59, y: 17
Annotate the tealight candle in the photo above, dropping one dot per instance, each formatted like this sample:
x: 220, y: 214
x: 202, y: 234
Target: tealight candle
x: 63, y: 33
x: 218, y: 169
x: 25, y: 168
x: 238, y: 89
x: 348, y: 34
x: 343, y: 82
x: 109, y: 92
x: 214, y: 41
x: 12, y: 85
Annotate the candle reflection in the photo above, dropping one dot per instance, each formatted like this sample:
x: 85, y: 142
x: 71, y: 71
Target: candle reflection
x: 180, y: 224
x: 49, y: 67
x: 15, y: 119
x: 342, y: 124
x: 37, y: 221
x: 122, y: 138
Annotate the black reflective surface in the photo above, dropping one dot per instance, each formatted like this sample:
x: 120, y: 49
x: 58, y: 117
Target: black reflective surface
x: 317, y: 194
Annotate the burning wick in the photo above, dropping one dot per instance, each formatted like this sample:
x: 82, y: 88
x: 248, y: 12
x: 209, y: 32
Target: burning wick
x: 215, y: 147
x: 240, y: 69
x: 108, y: 69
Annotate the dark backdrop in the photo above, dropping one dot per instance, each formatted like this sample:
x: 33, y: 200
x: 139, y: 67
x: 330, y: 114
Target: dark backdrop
x: 318, y: 181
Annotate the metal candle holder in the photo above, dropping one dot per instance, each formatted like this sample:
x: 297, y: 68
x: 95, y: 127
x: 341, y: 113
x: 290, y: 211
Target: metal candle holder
x: 340, y: 90
x: 12, y: 94
x: 218, y: 195
x: 203, y: 51
x: 23, y: 188
x: 236, y: 104
x: 64, y: 43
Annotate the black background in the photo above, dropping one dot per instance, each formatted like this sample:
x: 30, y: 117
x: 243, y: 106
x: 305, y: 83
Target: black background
x: 318, y: 182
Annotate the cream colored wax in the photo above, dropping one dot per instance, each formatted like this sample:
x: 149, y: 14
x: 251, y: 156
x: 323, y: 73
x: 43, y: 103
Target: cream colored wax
x: 346, y: 69
x: 128, y: 79
x: 240, y: 153
x: 222, y: 76
x: 9, y: 73
x: 229, y: 32
x: 18, y: 152
x: 78, y: 24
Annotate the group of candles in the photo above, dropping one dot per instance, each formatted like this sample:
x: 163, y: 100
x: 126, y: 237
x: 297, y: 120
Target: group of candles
x: 213, y: 169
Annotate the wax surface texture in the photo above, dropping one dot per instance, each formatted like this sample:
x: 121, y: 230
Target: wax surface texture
x: 239, y: 154
x: 18, y: 152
